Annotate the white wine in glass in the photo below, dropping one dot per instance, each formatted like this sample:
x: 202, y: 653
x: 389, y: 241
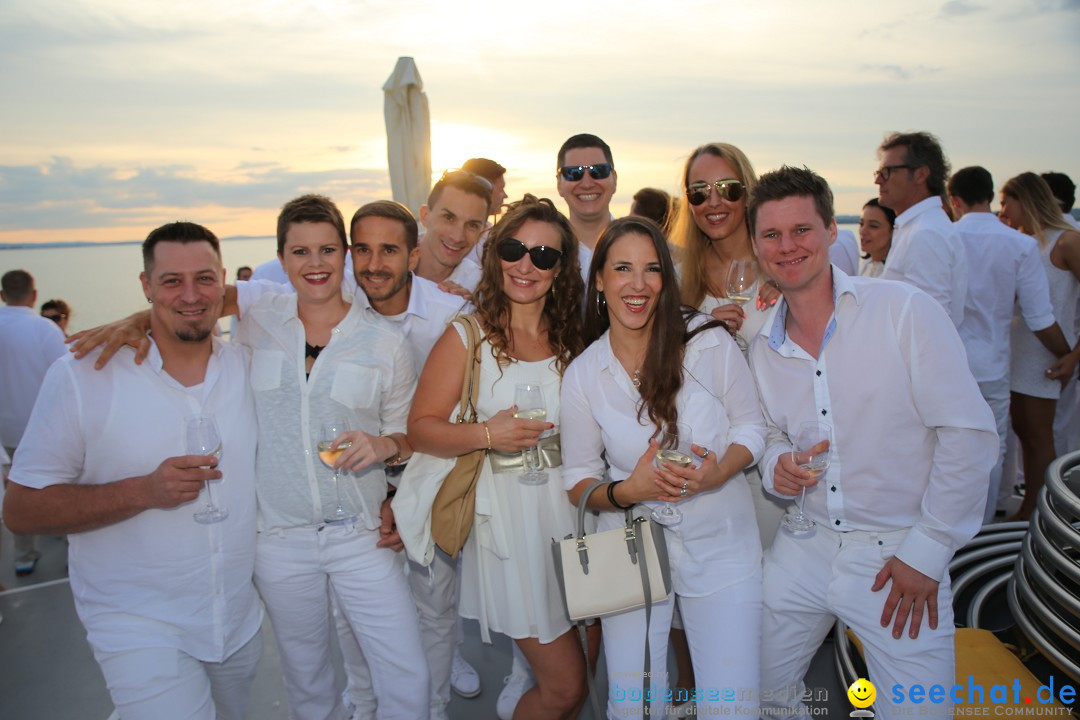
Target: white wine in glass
x: 674, y: 449
x: 329, y: 455
x: 813, y: 453
x: 742, y: 281
x: 202, y: 438
x: 529, y: 399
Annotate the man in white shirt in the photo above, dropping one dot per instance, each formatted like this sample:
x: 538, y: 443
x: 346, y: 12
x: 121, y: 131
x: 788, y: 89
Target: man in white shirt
x: 29, y: 344
x: 1064, y: 190
x: 1003, y: 264
x: 453, y: 217
x: 586, y: 180
x: 925, y: 250
x: 168, y: 603
x: 913, y: 444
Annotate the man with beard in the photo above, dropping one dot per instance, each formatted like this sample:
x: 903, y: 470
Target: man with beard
x: 168, y: 603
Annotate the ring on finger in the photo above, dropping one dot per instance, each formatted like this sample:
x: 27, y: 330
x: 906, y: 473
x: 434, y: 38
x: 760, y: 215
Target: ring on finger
x: 705, y: 452
x: 682, y: 493
x: 686, y: 484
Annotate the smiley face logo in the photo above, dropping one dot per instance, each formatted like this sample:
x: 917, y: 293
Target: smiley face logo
x: 862, y: 693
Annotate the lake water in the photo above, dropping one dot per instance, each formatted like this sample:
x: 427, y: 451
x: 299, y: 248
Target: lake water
x: 101, y: 282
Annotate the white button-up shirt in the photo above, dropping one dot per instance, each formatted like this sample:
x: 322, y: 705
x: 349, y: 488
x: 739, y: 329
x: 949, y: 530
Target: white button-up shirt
x: 927, y: 253
x: 1003, y: 264
x: 29, y: 344
x: 716, y: 544
x: 364, y: 375
x: 914, y: 439
x: 158, y: 579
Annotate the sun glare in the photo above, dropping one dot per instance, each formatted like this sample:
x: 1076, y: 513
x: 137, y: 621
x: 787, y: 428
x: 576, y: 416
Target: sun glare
x: 454, y: 143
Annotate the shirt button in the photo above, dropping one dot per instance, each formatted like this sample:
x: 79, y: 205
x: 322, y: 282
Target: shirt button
x: 819, y: 373
x: 833, y: 488
x: 837, y: 522
x: 824, y: 411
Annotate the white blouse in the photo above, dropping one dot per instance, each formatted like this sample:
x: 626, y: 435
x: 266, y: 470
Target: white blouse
x: 716, y: 544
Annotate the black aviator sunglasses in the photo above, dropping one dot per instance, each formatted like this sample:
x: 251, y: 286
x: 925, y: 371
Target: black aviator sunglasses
x: 543, y: 257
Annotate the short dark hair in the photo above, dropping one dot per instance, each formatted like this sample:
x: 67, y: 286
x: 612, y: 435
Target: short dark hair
x: 790, y: 182
x: 653, y: 204
x: 487, y: 169
x: 1063, y: 187
x: 18, y: 285
x: 180, y: 231
x: 242, y: 268
x: 310, y: 209
x: 391, y: 211
x: 584, y: 140
x: 463, y: 180
x: 974, y: 185
x: 58, y: 305
x: 922, y: 150
x: 890, y: 214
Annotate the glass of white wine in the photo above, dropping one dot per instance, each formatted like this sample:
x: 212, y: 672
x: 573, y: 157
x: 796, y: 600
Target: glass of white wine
x: 674, y: 449
x: 329, y: 455
x: 742, y: 277
x: 529, y: 399
x: 813, y: 452
x: 202, y: 438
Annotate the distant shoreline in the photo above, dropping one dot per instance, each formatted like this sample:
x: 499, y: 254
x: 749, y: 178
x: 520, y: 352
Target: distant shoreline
x: 92, y: 243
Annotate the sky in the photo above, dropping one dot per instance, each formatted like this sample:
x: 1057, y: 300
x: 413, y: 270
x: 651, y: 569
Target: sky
x: 120, y: 115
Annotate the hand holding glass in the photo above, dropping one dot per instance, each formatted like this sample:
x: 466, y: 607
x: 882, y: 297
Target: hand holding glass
x: 674, y: 449
x: 529, y: 399
x: 202, y: 438
x: 329, y: 455
x: 813, y: 452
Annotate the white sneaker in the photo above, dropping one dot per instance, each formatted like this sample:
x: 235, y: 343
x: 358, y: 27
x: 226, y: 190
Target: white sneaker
x: 517, y: 684
x: 463, y: 678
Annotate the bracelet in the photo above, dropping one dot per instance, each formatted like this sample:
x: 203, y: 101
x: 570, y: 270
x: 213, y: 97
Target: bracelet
x: 487, y: 433
x: 394, y: 459
x: 611, y: 496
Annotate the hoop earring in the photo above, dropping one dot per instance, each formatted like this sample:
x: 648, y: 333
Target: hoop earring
x: 601, y: 304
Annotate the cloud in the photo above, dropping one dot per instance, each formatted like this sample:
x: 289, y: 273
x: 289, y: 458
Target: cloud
x: 58, y: 194
x: 958, y: 8
x: 900, y: 72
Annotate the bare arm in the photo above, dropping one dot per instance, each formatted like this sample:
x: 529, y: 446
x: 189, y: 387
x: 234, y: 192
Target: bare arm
x: 69, y: 508
x: 1054, y: 340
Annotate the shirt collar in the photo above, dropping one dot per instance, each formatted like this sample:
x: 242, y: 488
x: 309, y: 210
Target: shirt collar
x: 918, y: 209
x: 776, y: 333
x: 21, y: 309
x: 157, y: 363
x: 418, y: 304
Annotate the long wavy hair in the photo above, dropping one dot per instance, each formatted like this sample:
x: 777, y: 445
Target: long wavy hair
x: 662, y: 370
x: 688, y: 237
x: 562, y: 307
x: 1038, y: 204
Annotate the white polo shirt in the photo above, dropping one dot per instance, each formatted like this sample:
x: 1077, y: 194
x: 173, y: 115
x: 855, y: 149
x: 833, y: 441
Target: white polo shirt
x: 716, y: 544
x: 158, y: 579
x: 914, y: 439
x: 29, y: 344
x: 364, y: 375
x: 1003, y: 265
x: 927, y: 253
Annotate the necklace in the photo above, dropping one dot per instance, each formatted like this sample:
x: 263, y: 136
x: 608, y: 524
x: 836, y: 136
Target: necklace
x: 636, y: 379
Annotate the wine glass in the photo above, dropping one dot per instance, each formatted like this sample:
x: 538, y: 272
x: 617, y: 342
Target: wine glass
x: 741, y: 278
x: 329, y: 432
x: 202, y: 438
x: 813, y: 452
x: 529, y: 398
x: 674, y: 449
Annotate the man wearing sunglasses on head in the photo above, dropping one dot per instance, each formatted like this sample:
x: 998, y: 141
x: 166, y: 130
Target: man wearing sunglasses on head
x: 587, y: 181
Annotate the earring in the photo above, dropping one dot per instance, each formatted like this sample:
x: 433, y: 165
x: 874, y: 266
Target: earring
x: 601, y: 304
x: 149, y: 301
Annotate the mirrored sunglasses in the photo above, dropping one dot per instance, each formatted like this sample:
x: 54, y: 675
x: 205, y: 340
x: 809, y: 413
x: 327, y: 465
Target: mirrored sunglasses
x: 573, y: 173
x: 542, y: 256
x: 730, y: 190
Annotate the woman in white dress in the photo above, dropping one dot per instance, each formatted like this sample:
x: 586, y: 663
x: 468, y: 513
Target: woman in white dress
x: 875, y: 237
x: 1028, y: 205
x: 528, y: 304
x: 654, y: 363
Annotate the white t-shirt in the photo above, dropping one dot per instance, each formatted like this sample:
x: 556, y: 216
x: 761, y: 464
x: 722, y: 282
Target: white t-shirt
x: 29, y: 344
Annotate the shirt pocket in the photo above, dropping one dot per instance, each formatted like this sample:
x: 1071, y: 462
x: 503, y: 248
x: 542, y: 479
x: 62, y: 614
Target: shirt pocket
x: 355, y: 386
x: 266, y: 369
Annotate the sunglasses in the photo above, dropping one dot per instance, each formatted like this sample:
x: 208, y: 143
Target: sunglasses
x: 543, y: 257
x: 730, y: 190
x: 573, y: 173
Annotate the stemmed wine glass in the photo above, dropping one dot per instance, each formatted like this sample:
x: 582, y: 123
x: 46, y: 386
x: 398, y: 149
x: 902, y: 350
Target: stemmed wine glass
x: 742, y: 278
x: 202, y: 438
x: 529, y: 399
x: 813, y: 452
x: 674, y: 449
x: 329, y: 432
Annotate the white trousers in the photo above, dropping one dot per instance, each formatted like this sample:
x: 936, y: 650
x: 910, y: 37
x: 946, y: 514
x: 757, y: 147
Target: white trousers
x: 159, y: 683
x: 295, y: 570
x: 996, y: 394
x: 811, y: 580
x: 434, y: 590
x: 724, y: 632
